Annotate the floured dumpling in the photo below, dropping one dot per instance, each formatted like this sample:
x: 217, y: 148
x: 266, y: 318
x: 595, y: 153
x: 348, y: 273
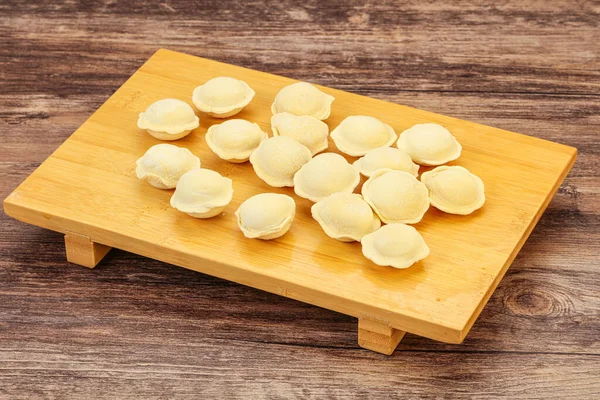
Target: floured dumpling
x: 308, y: 130
x: 266, y: 215
x: 394, y: 245
x: 235, y: 140
x: 163, y: 164
x: 345, y: 216
x: 396, y: 196
x: 325, y: 174
x: 222, y: 97
x: 168, y: 119
x: 358, y: 134
x: 454, y: 190
x: 202, y: 193
x: 302, y: 98
x: 386, y: 157
x: 429, y: 144
x: 277, y: 159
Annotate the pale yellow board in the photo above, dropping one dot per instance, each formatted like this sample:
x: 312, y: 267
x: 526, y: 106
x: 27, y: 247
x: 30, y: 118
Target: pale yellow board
x: 88, y: 187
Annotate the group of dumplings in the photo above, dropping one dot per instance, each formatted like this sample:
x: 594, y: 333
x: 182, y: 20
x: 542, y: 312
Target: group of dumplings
x: 391, y: 195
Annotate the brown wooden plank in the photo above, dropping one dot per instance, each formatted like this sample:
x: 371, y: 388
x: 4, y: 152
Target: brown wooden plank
x: 504, y: 65
x: 240, y: 369
x: 413, y: 46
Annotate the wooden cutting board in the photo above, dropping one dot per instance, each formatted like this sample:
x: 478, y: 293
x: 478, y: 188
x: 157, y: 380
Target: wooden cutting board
x: 88, y: 190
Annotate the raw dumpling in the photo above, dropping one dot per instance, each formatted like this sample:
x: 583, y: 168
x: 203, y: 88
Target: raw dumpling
x: 302, y: 98
x: 386, y: 157
x: 429, y: 144
x: 266, y: 215
x: 358, y: 134
x: 308, y: 130
x: 163, y: 164
x: 202, y: 193
x: 235, y: 140
x: 168, y: 119
x: 345, y: 216
x: 325, y: 174
x: 454, y: 190
x: 396, y: 196
x: 222, y: 97
x: 277, y: 159
x: 394, y: 245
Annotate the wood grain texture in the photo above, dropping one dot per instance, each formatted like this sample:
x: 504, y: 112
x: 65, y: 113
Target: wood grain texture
x: 378, y: 336
x: 81, y: 250
x: 88, y: 186
x: 136, y: 328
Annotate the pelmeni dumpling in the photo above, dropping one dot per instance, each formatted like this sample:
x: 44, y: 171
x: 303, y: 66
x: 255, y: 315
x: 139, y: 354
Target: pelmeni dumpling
x: 163, y: 164
x: 345, y: 216
x: 386, y: 157
x: 394, y: 245
x: 429, y: 144
x: 277, y: 159
x: 454, y: 189
x: 358, y: 134
x: 222, y: 97
x: 235, y: 140
x: 396, y: 196
x: 168, y: 119
x: 308, y: 130
x: 302, y: 98
x: 266, y: 215
x: 202, y: 193
x: 325, y: 174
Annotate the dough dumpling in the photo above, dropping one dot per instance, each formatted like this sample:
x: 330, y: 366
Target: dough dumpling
x: 396, y: 196
x: 454, y: 190
x: 168, y: 119
x: 222, y: 97
x: 308, y: 130
x: 266, y: 215
x: 429, y: 144
x: 235, y: 140
x: 277, y: 159
x: 302, y: 98
x: 345, y: 216
x: 394, y: 245
x: 358, y: 134
x: 163, y: 164
x: 386, y: 157
x: 202, y: 193
x: 325, y: 174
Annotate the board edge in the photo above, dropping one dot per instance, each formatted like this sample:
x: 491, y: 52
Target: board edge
x: 572, y: 152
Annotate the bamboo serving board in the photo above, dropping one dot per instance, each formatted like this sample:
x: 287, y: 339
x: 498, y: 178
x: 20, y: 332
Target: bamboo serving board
x: 88, y: 190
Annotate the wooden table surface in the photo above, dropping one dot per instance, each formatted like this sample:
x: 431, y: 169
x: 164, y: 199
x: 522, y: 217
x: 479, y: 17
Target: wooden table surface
x: 138, y: 328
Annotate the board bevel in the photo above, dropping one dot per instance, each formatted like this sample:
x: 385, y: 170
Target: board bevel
x: 88, y: 187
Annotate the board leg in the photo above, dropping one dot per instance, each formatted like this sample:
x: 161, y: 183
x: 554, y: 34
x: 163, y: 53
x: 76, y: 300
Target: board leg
x: 378, y: 336
x: 82, y: 251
